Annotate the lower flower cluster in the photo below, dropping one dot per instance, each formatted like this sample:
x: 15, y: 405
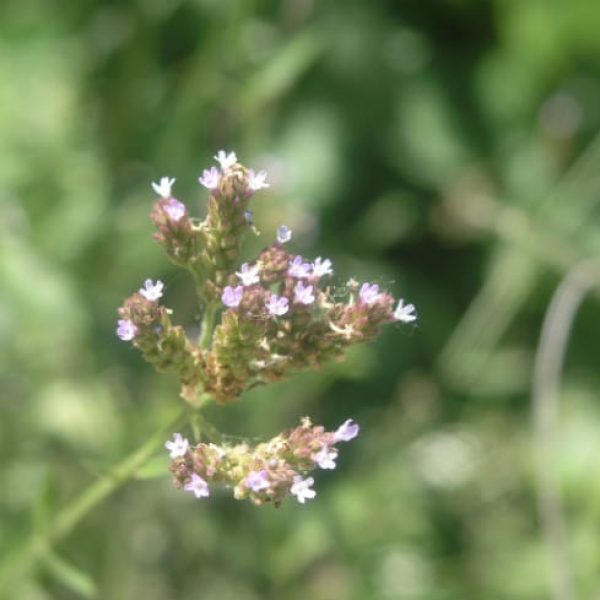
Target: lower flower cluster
x: 267, y: 472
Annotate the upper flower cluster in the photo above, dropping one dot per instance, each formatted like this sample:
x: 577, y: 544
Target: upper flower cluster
x: 210, y: 249
x: 277, y: 311
x: 267, y: 472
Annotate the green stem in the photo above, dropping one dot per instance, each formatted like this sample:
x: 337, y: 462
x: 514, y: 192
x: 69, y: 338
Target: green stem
x: 40, y: 543
x: 208, y: 325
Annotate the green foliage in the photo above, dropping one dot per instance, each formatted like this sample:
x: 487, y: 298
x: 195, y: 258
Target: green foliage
x: 448, y: 150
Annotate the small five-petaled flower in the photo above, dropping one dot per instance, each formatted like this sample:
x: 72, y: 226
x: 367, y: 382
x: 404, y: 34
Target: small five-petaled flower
x: 257, y: 181
x: 301, y: 489
x: 248, y: 275
x: 210, y: 178
x: 226, y: 159
x: 405, y: 312
x: 197, y: 486
x: 277, y: 306
x: 152, y: 291
x: 178, y: 447
x: 232, y: 296
x: 369, y: 293
x: 284, y: 234
x: 303, y: 294
x: 258, y: 480
x: 163, y: 188
x: 126, y: 330
x: 325, y: 457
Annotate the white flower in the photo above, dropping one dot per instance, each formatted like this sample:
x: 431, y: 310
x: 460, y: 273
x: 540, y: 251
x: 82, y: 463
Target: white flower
x: 405, y: 313
x: 257, y: 181
x: 226, y: 160
x: 321, y: 267
x: 347, y: 431
x: 152, y: 291
x: 197, y: 486
x: 248, y: 275
x: 325, y: 457
x: 163, y: 189
x: 178, y: 447
x: 301, y: 489
x: 210, y: 178
x: 284, y: 234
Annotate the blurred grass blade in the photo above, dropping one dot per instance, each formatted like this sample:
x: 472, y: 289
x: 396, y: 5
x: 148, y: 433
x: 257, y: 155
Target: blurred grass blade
x: 281, y: 72
x: 70, y: 576
x: 45, y: 505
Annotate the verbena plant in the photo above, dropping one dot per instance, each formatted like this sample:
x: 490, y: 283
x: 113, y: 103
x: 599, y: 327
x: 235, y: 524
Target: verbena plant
x: 262, y: 319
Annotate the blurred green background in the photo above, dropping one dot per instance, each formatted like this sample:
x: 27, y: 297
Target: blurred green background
x: 447, y: 150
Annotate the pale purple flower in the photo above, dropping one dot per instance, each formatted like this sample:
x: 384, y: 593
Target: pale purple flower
x: 197, y: 486
x: 232, y: 296
x: 258, y: 480
x: 301, y: 489
x: 284, y: 234
x: 163, y: 189
x: 325, y: 457
x: 257, y: 181
x: 405, y: 313
x: 249, y: 217
x: 248, y: 275
x: 210, y: 178
x: 152, y: 291
x: 277, y: 306
x: 369, y: 293
x: 303, y: 294
x: 175, y: 210
x: 299, y: 268
x: 321, y: 267
x: 126, y: 330
x: 225, y: 159
x: 347, y: 431
x: 178, y: 447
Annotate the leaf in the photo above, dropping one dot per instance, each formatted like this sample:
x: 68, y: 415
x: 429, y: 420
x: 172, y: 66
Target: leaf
x: 70, y: 576
x: 45, y: 505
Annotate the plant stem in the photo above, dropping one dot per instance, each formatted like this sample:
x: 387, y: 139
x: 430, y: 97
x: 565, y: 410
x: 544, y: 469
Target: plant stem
x: 208, y: 325
x: 549, y: 360
x: 40, y: 543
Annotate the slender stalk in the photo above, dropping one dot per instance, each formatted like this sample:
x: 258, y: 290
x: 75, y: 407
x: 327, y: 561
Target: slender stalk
x: 208, y: 325
x: 40, y: 543
x: 549, y: 361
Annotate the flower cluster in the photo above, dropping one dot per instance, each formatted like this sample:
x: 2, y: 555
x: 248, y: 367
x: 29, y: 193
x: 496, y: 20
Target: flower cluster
x: 262, y: 319
x: 210, y: 249
x: 267, y: 472
x: 278, y: 314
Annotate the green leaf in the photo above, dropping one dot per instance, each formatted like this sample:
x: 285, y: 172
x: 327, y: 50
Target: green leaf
x: 70, y: 576
x: 45, y: 505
